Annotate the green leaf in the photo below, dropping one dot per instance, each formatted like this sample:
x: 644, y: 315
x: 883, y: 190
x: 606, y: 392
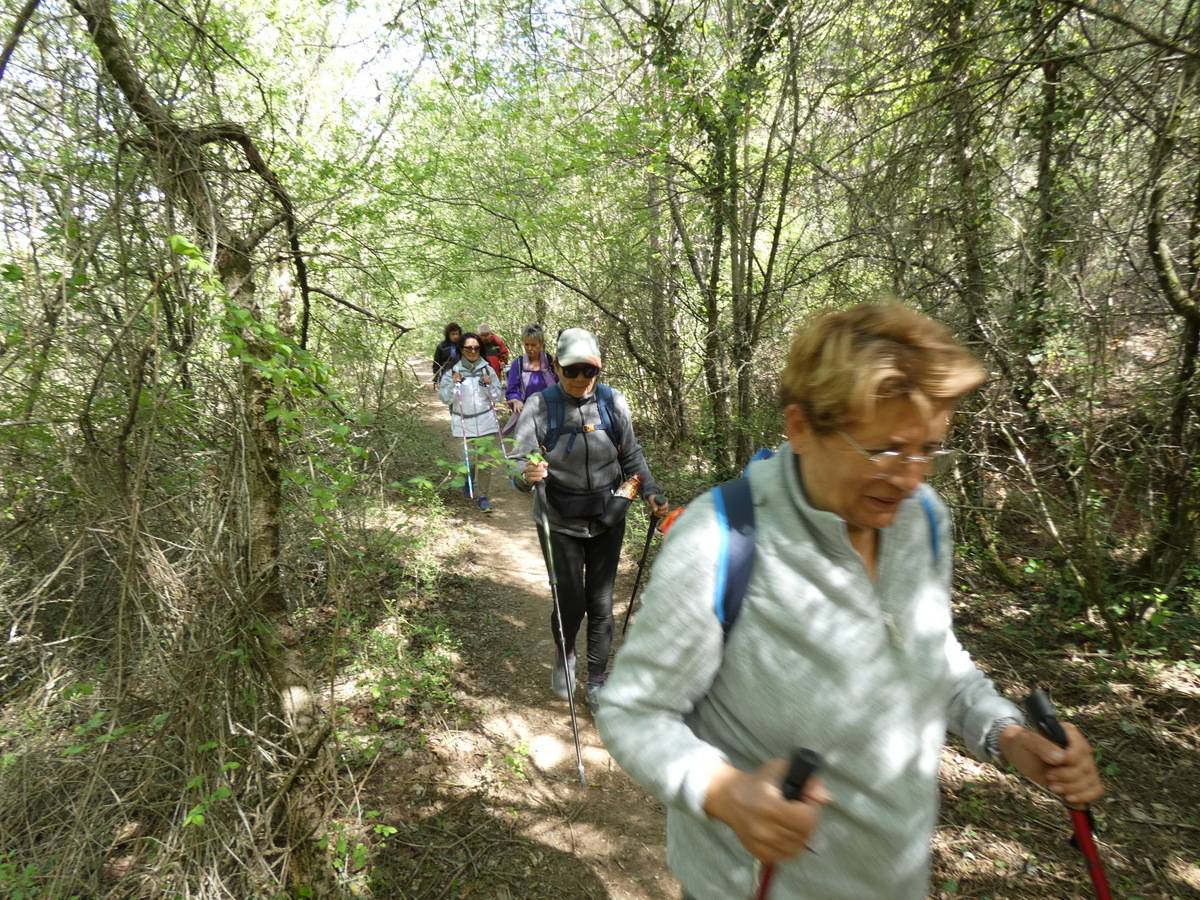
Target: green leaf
x: 12, y: 272
x: 96, y: 720
x: 181, y: 245
x: 79, y: 689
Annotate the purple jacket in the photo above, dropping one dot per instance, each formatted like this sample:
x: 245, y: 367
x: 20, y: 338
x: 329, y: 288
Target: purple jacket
x: 523, y: 384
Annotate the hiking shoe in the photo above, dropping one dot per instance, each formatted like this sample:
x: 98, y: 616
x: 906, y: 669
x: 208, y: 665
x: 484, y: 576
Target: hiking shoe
x: 593, y: 696
x: 484, y: 504
x: 559, y: 676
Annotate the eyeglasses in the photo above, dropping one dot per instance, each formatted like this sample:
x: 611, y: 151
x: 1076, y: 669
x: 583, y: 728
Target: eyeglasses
x: 587, y: 370
x: 471, y: 348
x: 887, y: 461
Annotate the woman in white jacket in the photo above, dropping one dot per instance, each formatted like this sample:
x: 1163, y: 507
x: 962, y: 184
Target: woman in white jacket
x: 844, y: 643
x: 470, y: 388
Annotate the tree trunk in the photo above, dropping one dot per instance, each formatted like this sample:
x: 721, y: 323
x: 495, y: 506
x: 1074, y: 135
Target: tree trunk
x: 179, y: 157
x: 1175, y: 533
x: 661, y: 267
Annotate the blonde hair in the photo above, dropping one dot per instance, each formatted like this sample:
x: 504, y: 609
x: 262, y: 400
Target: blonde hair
x: 842, y: 363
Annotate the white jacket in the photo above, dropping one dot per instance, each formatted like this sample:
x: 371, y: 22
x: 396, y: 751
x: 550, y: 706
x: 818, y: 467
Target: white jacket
x: 471, y: 400
x: 868, y: 674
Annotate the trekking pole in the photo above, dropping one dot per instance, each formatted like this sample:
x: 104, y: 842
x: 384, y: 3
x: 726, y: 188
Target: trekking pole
x: 462, y: 417
x: 548, y: 553
x: 804, y: 763
x: 659, y: 499
x: 1041, y: 711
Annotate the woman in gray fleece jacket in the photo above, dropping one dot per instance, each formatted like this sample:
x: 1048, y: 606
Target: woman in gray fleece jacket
x: 593, y: 453
x: 844, y: 643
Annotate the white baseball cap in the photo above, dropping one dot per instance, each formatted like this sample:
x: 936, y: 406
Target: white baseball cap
x: 577, y: 345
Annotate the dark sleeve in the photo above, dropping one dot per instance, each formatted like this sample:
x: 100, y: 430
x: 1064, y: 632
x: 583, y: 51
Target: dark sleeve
x: 630, y: 451
x: 529, y: 436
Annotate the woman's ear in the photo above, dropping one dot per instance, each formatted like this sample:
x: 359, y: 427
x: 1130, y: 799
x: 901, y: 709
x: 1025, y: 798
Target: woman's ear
x: 799, y: 432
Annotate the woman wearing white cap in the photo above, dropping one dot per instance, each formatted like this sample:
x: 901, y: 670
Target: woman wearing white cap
x: 585, y: 435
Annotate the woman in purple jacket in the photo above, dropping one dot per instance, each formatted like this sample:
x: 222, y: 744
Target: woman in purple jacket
x: 530, y: 373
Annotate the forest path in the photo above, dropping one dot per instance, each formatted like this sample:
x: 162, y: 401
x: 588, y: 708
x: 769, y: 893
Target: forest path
x: 502, y: 783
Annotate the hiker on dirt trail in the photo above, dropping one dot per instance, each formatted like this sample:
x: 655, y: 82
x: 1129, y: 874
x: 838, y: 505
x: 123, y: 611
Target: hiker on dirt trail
x: 470, y: 388
x: 448, y: 352
x: 843, y: 645
x: 530, y: 373
x: 583, y: 435
x: 495, y: 351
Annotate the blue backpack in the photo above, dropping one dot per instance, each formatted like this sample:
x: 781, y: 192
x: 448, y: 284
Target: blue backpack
x: 556, y: 410
x: 734, y: 506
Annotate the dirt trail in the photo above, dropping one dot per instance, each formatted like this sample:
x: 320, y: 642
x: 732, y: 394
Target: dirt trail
x: 504, y: 788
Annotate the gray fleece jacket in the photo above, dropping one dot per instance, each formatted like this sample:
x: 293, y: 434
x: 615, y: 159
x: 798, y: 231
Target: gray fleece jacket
x: 870, y: 675
x: 589, y: 462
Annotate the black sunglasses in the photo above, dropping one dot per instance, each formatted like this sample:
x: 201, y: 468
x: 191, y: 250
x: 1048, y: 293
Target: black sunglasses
x: 471, y: 347
x: 587, y: 370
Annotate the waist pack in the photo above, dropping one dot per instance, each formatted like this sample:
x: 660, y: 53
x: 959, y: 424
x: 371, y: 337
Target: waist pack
x: 578, y: 504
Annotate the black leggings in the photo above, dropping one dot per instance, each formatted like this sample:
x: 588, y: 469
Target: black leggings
x: 586, y: 569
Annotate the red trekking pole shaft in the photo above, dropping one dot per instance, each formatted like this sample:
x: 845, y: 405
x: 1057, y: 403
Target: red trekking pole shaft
x: 1041, y: 711
x: 804, y: 763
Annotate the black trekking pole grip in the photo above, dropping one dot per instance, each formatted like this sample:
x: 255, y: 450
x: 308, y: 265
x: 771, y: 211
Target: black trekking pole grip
x: 801, y: 768
x: 804, y: 763
x: 1041, y: 713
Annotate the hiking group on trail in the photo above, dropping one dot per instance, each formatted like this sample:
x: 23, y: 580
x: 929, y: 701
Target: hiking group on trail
x: 802, y: 607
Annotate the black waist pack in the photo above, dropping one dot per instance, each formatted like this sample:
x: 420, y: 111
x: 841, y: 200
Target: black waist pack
x: 578, y: 504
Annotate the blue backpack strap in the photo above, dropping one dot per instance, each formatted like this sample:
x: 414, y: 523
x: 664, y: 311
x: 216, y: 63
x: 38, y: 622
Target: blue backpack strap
x: 935, y: 536
x: 733, y: 502
x: 604, y: 405
x: 553, y: 398
x: 760, y: 453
